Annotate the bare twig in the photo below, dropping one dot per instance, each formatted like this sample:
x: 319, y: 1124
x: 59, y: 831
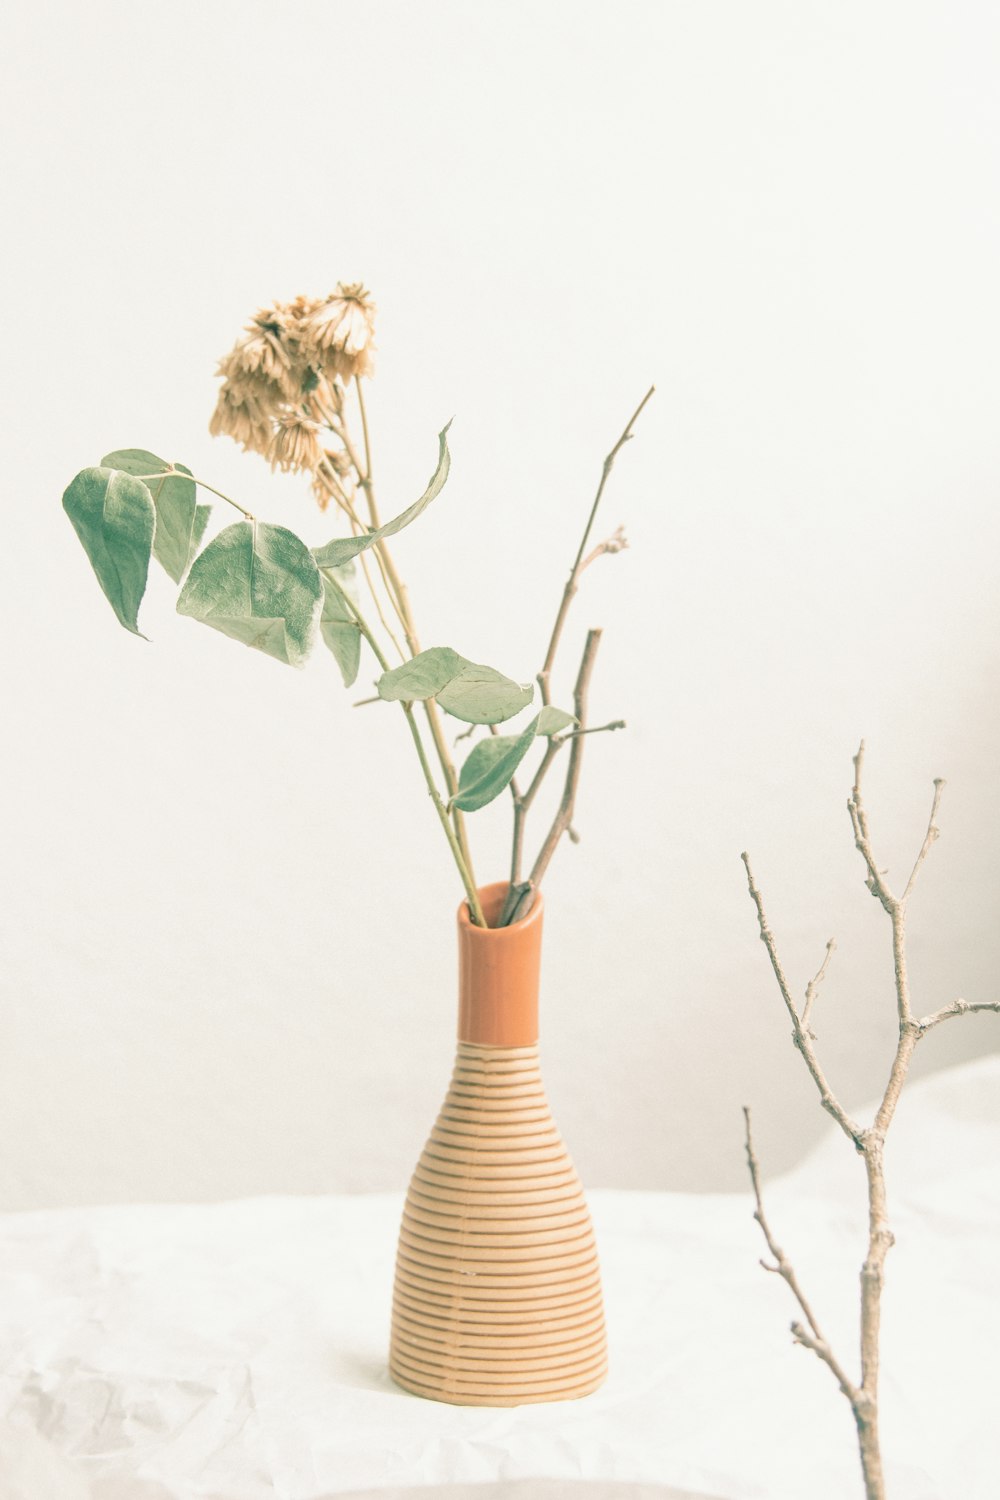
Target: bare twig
x: 519, y: 899
x: 812, y: 987
x: 783, y: 1267
x: 870, y: 1142
x: 572, y: 582
x: 521, y: 893
x: 800, y: 1035
x: 574, y: 734
x: 933, y: 833
x: 956, y: 1008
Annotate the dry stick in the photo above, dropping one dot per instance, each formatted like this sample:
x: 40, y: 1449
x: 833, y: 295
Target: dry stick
x: 783, y: 1267
x: 812, y: 988
x: 869, y: 1142
x: 520, y: 897
x: 572, y: 582
x: 522, y: 801
x: 800, y: 1036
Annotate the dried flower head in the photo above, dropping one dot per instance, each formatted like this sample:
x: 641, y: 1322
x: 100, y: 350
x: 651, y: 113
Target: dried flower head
x: 295, y: 443
x: 341, y: 331
x: 322, y: 398
x: 283, y: 380
x: 263, y: 350
x: 240, y: 415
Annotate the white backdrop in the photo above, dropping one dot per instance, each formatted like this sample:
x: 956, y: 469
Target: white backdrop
x: 227, y: 914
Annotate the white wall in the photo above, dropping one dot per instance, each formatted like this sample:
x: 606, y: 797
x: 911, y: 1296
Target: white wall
x: 227, y: 912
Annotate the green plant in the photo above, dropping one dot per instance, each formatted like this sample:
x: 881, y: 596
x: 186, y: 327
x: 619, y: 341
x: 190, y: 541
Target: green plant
x: 288, y: 386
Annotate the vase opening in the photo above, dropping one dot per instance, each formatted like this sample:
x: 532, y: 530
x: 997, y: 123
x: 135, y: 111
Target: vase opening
x: 498, y: 974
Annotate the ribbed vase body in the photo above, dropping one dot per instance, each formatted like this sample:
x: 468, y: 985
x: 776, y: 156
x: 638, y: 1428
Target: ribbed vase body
x: 497, y: 1298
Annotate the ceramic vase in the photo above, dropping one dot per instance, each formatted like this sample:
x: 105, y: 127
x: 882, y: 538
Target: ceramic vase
x: 497, y: 1298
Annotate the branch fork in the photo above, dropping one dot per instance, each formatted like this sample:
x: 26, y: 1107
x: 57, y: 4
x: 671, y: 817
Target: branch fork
x: 869, y: 1142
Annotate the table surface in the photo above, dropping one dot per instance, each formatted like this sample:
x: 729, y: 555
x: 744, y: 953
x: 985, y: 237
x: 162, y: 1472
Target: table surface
x: 239, y: 1350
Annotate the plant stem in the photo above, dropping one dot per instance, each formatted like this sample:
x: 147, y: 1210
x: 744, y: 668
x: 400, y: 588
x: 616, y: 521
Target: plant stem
x: 400, y: 599
x: 521, y: 897
x: 475, y: 906
x: 521, y: 893
x: 247, y: 515
x: 572, y: 582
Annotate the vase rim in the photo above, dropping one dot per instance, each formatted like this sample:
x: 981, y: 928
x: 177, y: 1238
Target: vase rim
x: 492, y: 898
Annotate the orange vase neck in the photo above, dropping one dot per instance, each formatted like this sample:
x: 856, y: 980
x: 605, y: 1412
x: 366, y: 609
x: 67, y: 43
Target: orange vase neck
x: 498, y: 972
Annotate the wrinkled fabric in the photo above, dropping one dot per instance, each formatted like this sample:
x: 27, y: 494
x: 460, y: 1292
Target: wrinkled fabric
x: 237, y: 1351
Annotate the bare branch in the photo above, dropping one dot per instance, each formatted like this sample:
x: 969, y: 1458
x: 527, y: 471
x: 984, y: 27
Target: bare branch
x: 767, y: 938
x: 869, y: 1142
x: 521, y: 893
x: 813, y: 986
x: 577, y: 568
x: 572, y: 734
x: 933, y: 833
x: 783, y: 1267
x: 563, y: 821
x: 800, y: 1035
x: 859, y: 820
x: 956, y: 1008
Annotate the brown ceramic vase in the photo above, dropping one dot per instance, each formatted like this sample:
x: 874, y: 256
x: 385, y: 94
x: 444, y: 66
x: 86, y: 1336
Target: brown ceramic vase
x: 497, y: 1298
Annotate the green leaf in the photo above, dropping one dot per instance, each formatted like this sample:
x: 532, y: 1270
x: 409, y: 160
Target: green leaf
x: 473, y: 693
x: 260, y: 585
x: 551, y: 720
x: 113, y: 516
x: 489, y: 768
x: 338, y: 627
x: 201, y: 515
x: 175, y: 540
x: 427, y: 673
x: 481, y: 695
x: 340, y: 551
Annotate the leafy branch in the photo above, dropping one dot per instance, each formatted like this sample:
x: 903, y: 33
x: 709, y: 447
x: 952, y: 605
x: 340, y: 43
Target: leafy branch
x: 285, y: 395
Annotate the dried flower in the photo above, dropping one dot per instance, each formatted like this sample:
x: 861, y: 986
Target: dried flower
x: 282, y: 380
x: 262, y: 350
x: 322, y: 398
x: 240, y: 416
x: 341, y: 331
x: 339, y: 460
x: 295, y: 443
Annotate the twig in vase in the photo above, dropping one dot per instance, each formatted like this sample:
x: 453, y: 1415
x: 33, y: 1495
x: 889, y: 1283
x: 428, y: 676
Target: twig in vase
x: 869, y: 1141
x: 522, y: 892
x: 520, y: 897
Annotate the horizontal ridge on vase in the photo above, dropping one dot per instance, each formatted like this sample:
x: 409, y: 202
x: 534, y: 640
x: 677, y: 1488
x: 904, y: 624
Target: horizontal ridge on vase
x: 497, y: 1298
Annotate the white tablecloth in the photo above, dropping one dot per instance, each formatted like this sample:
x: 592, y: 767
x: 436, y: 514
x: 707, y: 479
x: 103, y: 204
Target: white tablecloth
x: 238, y: 1350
